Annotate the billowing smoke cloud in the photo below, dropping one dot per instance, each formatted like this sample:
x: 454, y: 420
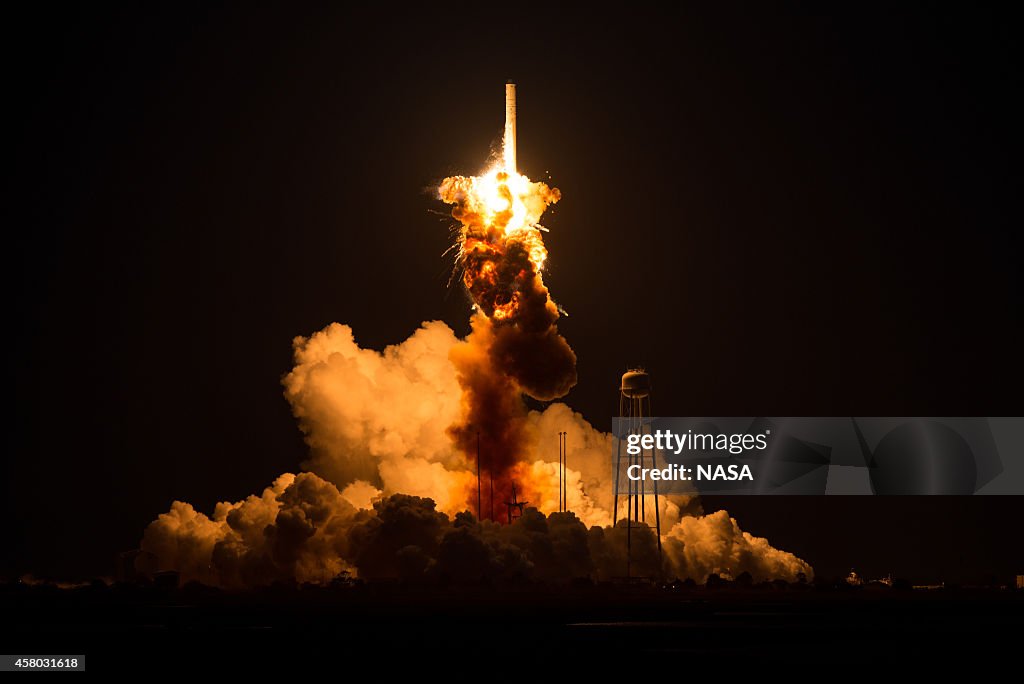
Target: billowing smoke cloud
x: 376, y: 421
x: 388, y: 494
x: 302, y: 528
x: 700, y: 545
x: 294, y: 530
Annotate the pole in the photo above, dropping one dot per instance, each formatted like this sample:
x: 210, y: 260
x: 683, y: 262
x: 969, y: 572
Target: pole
x: 618, y: 467
x: 479, y: 512
x: 565, y: 471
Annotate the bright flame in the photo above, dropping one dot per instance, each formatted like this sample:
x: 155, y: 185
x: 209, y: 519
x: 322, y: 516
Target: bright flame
x: 508, y: 201
x: 499, y: 213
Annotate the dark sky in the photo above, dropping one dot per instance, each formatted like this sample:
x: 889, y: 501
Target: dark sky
x: 777, y: 212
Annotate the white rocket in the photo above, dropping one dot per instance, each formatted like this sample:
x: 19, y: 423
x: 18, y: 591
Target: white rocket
x: 510, y: 127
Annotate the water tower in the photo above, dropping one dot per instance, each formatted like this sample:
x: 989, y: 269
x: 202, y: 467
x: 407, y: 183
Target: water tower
x: 635, y: 418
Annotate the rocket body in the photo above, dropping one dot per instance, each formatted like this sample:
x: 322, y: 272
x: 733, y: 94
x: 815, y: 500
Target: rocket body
x: 510, y: 128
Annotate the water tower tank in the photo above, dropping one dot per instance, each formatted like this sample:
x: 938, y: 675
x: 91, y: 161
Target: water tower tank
x: 636, y: 384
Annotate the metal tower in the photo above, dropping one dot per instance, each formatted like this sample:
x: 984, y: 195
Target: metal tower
x: 635, y: 415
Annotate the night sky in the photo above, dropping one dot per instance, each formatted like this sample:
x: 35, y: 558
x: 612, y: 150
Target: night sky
x: 776, y: 212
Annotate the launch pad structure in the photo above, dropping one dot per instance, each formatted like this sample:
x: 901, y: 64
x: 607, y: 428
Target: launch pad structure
x: 515, y: 506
